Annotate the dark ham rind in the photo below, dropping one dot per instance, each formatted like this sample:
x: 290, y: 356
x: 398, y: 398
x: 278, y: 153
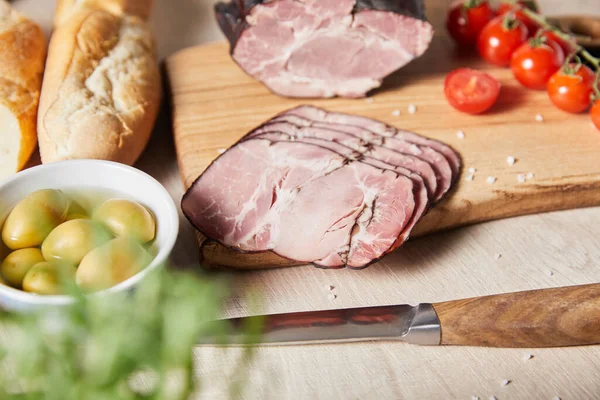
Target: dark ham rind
x: 415, y: 9
x: 419, y: 190
x: 262, y: 195
x: 385, y: 149
x: 323, y: 48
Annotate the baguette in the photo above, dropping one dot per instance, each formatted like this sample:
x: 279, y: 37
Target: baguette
x: 137, y: 8
x: 22, y: 56
x: 101, y: 89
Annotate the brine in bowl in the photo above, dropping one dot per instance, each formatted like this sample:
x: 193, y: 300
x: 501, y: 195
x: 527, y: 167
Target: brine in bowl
x: 101, y: 195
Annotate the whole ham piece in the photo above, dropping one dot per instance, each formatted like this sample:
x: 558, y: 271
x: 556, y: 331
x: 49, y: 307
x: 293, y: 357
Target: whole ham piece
x: 316, y: 193
x: 324, y: 48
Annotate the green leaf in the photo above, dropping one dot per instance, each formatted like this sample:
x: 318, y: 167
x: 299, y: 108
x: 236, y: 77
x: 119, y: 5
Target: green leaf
x: 99, y: 347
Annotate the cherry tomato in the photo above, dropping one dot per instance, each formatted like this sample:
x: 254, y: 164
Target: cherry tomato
x: 503, y: 8
x: 571, y: 90
x: 471, y: 91
x: 500, y: 38
x: 567, y: 46
x: 595, y: 113
x: 466, y: 19
x: 534, y: 64
x: 532, y: 26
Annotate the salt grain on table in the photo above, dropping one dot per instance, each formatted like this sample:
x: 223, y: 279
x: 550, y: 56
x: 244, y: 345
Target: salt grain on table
x: 470, y: 177
x: 521, y: 178
x: 412, y: 109
x: 556, y: 398
x: 329, y: 287
x: 530, y: 175
x: 472, y: 170
x: 497, y: 256
x: 221, y: 151
x: 396, y: 113
x: 332, y: 296
x: 493, y: 398
x: 491, y: 180
x: 539, y: 118
x: 528, y: 357
x: 505, y: 382
x: 549, y: 272
x: 460, y: 134
x: 510, y: 160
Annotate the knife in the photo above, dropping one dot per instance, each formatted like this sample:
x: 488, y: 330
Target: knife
x: 566, y: 316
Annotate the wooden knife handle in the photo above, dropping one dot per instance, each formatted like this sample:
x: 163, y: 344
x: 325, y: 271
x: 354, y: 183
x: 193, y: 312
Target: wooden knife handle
x: 567, y: 316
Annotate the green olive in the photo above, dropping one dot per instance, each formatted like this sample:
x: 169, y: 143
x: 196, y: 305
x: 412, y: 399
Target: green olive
x: 34, y: 217
x: 126, y: 218
x: 112, y: 263
x: 72, y: 240
x: 76, y: 211
x: 18, y: 263
x: 47, y: 278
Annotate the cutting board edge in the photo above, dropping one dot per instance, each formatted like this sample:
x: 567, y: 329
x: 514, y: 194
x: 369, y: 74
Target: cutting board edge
x: 218, y: 256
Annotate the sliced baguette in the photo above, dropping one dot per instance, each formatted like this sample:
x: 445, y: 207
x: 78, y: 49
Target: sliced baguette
x: 22, y: 57
x: 101, y: 89
x: 137, y: 8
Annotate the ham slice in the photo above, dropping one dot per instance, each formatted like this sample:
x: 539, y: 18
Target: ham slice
x: 368, y: 146
x: 324, y: 188
x: 379, y: 128
x: 301, y: 201
x: 419, y: 188
x: 324, y: 48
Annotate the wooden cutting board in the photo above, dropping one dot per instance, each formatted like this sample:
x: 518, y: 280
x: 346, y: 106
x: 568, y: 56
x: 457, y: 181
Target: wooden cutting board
x: 214, y: 103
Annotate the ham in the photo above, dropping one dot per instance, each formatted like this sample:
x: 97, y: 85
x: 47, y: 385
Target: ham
x: 379, y: 128
x: 333, y: 190
x: 324, y: 48
x: 302, y: 201
x: 369, y: 145
x: 419, y: 188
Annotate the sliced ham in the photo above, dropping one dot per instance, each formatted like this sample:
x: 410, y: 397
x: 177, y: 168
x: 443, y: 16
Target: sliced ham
x: 379, y: 128
x: 364, y: 147
x: 428, y: 162
x: 324, y: 48
x: 301, y: 201
x: 319, y: 188
x: 419, y: 188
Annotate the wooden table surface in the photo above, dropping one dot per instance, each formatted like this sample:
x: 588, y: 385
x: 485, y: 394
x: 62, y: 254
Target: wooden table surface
x: 539, y: 251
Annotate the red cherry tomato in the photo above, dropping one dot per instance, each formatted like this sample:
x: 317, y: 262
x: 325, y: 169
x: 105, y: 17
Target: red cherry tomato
x: 571, y: 90
x: 471, y: 91
x: 500, y: 38
x: 534, y: 64
x: 567, y: 46
x: 505, y: 8
x: 595, y: 113
x: 466, y: 19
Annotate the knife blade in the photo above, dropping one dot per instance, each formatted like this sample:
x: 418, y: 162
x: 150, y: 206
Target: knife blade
x: 554, y: 317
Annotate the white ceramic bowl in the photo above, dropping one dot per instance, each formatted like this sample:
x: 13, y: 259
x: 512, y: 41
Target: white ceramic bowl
x: 129, y: 182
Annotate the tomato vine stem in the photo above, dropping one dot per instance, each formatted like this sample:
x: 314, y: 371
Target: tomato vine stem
x: 540, y: 20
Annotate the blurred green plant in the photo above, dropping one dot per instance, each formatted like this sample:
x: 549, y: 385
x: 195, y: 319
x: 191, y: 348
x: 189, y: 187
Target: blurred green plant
x: 132, y: 345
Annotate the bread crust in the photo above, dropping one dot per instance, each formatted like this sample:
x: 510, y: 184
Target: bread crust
x: 22, y: 58
x: 101, y: 89
x: 137, y: 8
